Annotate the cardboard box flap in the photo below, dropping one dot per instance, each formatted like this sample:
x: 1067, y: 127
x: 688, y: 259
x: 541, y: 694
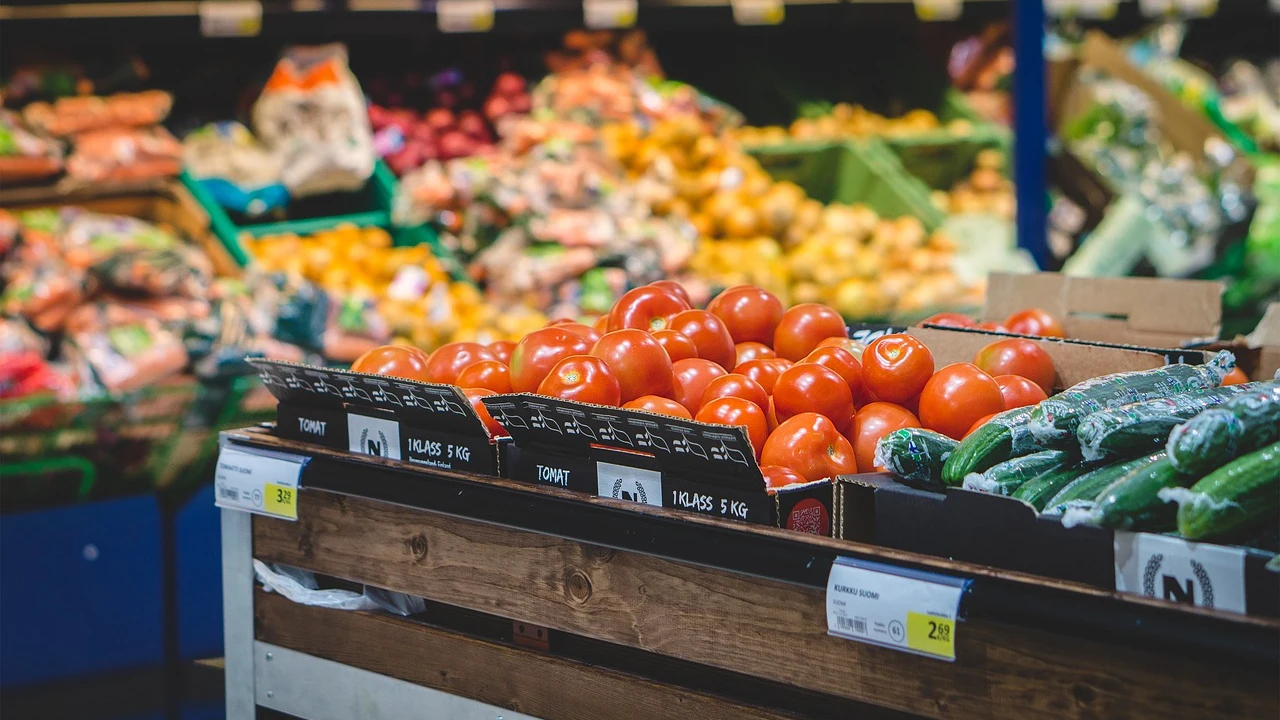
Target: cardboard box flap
x: 1267, y: 333
x: 1147, y: 311
x: 719, y: 454
x: 441, y: 408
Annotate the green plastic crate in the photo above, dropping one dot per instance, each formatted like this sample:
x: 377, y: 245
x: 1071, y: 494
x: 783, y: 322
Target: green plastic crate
x: 862, y: 171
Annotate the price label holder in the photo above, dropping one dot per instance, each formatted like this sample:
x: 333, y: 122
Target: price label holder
x: 609, y: 14
x: 908, y: 610
x: 1178, y: 570
x: 931, y: 10
x: 230, y: 18
x: 758, y: 12
x: 1186, y: 8
x: 258, y: 481
x: 1092, y: 9
x: 629, y: 483
x: 464, y: 16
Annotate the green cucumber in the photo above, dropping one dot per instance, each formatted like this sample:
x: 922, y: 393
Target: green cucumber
x: 1001, y: 438
x: 1240, y: 495
x: 1038, y: 491
x: 1143, y: 427
x: 1055, y: 419
x: 1216, y: 436
x: 914, y: 454
x: 1006, y: 477
x: 1133, y: 502
x: 1087, y: 487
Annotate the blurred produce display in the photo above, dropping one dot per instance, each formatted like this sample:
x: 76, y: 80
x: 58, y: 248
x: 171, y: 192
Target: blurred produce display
x: 843, y: 120
x: 986, y: 190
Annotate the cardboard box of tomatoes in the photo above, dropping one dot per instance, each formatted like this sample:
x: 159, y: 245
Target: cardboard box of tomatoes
x: 382, y: 416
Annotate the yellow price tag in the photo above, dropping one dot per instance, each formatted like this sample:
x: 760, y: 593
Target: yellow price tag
x: 280, y: 501
x: 931, y: 635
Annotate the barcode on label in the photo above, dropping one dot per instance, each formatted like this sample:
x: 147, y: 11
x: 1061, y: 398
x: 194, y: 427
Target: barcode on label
x: 228, y: 493
x: 854, y: 625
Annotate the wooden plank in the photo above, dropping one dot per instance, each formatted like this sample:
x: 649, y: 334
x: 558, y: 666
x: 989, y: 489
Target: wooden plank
x: 513, y: 678
x: 749, y: 625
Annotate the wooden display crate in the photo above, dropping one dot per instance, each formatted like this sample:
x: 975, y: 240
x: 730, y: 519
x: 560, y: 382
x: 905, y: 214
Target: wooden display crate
x: 650, y: 612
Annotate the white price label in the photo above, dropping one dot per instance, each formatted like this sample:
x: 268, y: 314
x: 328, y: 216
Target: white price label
x: 1174, y: 569
x: 1096, y: 9
x: 258, y: 481
x: 609, y: 14
x: 628, y: 483
x: 464, y: 16
x: 373, y: 436
x: 230, y: 18
x: 1156, y: 8
x: 906, y: 610
x: 938, y: 9
x: 758, y: 12
x: 1198, y: 8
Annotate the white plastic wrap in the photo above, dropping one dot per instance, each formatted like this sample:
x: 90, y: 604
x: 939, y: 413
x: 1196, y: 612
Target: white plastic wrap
x: 300, y: 586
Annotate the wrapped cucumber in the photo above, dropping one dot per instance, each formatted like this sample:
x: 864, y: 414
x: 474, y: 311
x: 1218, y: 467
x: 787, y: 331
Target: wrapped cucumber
x: 1003, y: 437
x: 1133, y: 501
x: 1038, y: 491
x: 914, y: 454
x: 1056, y: 419
x: 1082, y: 491
x: 1143, y: 427
x: 1216, y: 436
x: 1243, y: 494
x: 1006, y: 477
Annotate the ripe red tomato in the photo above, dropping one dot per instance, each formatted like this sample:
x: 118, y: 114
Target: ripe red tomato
x: 765, y: 372
x: 586, y: 332
x: 474, y: 395
x: 448, y: 360
x: 678, y: 346
x: 896, y: 367
x: 979, y: 423
x: 582, y: 378
x: 752, y: 351
x: 674, y: 288
x: 639, y: 362
x: 1017, y: 356
x: 735, y: 385
x: 854, y: 347
x: 1034, y: 321
x: 809, y: 387
x: 845, y: 365
x: 661, y: 405
x: 538, y: 352
x: 1018, y: 391
x: 489, y: 374
x: 872, y: 422
x: 690, y: 380
x: 751, y: 313
x: 811, y: 446
x: 776, y: 476
x: 956, y: 396
x: 601, y: 324
x: 737, y: 411
x: 645, y: 308
x: 1235, y: 377
x: 399, y: 361
x: 803, y: 327
x: 502, y: 349
x: 993, y: 326
x: 772, y: 414
x: 949, y: 319
x: 708, y: 334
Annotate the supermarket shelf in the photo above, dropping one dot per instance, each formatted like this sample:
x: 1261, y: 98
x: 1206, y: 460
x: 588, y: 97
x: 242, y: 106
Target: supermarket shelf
x: 774, y: 554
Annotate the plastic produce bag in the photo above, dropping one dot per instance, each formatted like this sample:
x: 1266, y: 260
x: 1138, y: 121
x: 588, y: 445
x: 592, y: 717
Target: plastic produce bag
x: 300, y: 586
x: 236, y: 170
x: 312, y: 115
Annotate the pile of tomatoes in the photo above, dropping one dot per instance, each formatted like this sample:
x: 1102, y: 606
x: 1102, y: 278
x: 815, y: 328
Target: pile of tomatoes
x: 813, y: 402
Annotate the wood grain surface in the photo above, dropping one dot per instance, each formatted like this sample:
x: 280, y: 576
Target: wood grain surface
x: 750, y: 625
x: 525, y: 681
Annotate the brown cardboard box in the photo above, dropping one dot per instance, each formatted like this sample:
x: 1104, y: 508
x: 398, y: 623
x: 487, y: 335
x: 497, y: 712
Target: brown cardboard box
x: 1150, y: 312
x: 1258, y: 353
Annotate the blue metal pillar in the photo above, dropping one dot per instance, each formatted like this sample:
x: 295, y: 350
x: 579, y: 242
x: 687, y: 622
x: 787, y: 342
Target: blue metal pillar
x: 1030, y: 127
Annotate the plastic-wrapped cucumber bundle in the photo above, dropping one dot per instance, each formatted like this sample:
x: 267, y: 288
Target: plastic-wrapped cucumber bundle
x: 1238, y: 496
x: 1081, y: 492
x: 1006, y: 477
x: 1038, y: 491
x: 1057, y: 418
x: 914, y: 454
x: 1141, y: 427
x: 1002, y: 437
x: 1216, y: 436
x: 1133, y: 501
